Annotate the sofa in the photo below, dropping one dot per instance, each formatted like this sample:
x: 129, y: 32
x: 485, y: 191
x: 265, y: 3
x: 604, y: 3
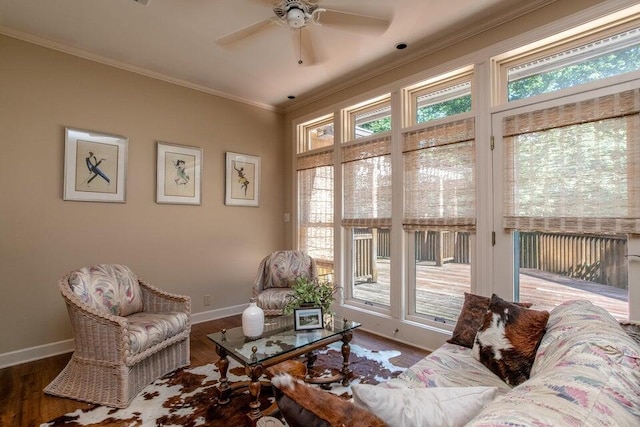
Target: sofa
x: 584, y: 371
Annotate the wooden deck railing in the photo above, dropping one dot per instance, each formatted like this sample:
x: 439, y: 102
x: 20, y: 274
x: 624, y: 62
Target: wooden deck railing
x: 599, y: 259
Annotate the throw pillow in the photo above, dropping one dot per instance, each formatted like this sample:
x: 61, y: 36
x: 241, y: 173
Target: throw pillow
x: 471, y: 317
x: 423, y: 407
x: 302, y: 405
x: 508, y: 339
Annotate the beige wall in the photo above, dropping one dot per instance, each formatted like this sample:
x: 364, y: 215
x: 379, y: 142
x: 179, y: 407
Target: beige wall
x: 195, y: 250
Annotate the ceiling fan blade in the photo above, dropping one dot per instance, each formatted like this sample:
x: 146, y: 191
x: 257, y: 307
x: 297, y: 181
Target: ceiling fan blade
x: 304, y: 48
x: 353, y: 21
x: 245, y: 32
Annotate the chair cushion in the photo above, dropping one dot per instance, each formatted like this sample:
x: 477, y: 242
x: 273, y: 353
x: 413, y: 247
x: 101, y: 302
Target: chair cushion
x: 149, y: 329
x: 110, y: 288
x: 274, y: 298
x: 282, y: 268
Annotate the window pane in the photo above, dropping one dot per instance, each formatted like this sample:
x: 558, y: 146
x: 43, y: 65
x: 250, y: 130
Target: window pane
x: 557, y: 267
x: 371, y: 263
x: 319, y: 136
x: 443, y: 273
x: 443, y: 103
x: 608, y: 57
x: 371, y: 121
x: 316, y: 214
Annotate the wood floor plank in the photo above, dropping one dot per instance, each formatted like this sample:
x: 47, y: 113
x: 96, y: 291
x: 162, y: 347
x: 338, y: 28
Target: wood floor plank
x: 23, y: 403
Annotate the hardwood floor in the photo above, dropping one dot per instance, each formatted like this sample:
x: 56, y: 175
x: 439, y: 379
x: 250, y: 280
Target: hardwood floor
x: 23, y: 404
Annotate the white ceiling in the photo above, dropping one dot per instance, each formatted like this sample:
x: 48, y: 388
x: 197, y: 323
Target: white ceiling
x: 175, y: 40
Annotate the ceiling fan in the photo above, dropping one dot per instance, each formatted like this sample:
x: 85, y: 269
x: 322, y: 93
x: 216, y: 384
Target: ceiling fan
x: 300, y: 16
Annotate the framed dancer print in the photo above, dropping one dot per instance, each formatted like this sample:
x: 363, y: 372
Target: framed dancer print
x: 95, y: 165
x: 179, y: 174
x: 242, y: 180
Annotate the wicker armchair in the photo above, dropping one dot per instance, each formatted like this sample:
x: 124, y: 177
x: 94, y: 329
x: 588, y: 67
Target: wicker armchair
x: 127, y: 334
x: 276, y: 273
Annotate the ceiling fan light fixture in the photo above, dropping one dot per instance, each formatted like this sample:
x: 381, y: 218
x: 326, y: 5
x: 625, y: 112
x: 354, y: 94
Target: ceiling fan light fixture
x: 296, y: 18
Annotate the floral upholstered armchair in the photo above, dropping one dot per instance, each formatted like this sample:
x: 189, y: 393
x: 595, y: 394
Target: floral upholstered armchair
x: 127, y: 334
x: 276, y: 274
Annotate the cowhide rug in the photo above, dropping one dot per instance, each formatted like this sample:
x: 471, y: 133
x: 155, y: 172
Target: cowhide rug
x: 187, y: 397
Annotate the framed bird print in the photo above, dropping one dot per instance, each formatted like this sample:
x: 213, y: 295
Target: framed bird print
x: 179, y: 174
x: 95, y: 166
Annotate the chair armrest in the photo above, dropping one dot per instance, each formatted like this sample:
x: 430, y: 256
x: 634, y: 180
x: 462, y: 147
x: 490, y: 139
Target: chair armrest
x: 98, y: 335
x: 258, y: 283
x: 158, y: 301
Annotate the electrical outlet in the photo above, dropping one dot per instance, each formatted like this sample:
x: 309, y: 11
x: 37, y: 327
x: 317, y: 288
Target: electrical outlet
x: 287, y: 217
x: 207, y: 300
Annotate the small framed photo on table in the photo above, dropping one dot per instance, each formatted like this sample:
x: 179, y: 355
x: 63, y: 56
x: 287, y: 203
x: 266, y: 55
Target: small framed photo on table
x: 306, y: 319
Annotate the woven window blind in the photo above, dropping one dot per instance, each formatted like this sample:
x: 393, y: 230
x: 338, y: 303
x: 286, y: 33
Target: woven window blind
x: 575, y: 167
x: 366, y: 171
x: 315, y: 206
x: 439, y: 177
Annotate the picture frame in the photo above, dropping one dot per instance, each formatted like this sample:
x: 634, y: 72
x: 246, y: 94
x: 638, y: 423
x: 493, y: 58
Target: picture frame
x: 95, y: 166
x: 306, y: 319
x: 178, y: 174
x: 242, y: 187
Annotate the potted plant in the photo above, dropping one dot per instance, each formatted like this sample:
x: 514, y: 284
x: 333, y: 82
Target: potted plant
x: 314, y: 293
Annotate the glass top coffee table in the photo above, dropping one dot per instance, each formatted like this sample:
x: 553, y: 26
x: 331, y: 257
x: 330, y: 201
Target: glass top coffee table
x: 279, y: 342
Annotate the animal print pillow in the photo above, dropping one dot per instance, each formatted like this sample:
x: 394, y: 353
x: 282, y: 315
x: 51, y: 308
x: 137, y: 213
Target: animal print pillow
x: 508, y: 339
x: 471, y: 318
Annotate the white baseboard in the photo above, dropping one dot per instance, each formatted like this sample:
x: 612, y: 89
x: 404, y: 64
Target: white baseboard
x: 34, y: 353
x: 53, y: 349
x: 205, y: 316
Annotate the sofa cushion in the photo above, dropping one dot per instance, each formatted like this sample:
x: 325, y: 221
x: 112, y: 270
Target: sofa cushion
x: 449, y: 366
x: 508, y: 339
x: 587, y: 390
x: 471, y: 317
x: 430, y: 407
x: 148, y: 329
x: 575, y: 324
x: 109, y: 288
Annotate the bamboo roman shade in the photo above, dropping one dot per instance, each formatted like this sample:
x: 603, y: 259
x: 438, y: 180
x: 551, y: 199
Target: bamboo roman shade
x: 366, y: 171
x: 315, y: 205
x: 439, y: 177
x: 575, y: 167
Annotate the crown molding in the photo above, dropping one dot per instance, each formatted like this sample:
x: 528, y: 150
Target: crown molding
x: 60, y: 47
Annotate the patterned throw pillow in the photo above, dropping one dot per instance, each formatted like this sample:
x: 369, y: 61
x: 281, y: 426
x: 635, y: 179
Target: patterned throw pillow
x: 508, y: 339
x: 471, y: 317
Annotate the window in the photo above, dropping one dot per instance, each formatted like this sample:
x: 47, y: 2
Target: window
x: 572, y: 194
x: 439, y: 214
x: 445, y: 97
x: 589, y: 58
x: 316, y: 134
x: 366, y: 171
x: 369, y: 119
x: 315, y: 182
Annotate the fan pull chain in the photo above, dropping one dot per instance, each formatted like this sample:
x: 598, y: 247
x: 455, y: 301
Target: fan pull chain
x: 300, y: 48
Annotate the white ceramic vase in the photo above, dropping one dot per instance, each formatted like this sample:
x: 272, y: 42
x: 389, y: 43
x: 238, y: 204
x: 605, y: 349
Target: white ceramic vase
x: 252, y: 320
